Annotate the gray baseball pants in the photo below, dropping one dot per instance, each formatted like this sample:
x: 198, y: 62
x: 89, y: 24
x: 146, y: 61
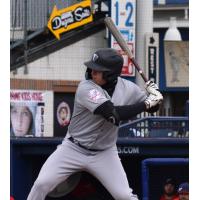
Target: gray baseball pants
x: 70, y: 158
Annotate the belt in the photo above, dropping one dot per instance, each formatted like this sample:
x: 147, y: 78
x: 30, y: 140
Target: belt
x: 78, y: 144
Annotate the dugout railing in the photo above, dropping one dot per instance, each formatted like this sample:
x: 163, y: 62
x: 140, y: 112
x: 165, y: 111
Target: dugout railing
x: 177, y: 127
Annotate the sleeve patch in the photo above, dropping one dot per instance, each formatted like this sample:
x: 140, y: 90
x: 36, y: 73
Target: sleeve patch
x: 94, y: 95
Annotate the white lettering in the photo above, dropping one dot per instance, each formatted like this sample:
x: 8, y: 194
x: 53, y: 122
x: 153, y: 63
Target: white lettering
x: 86, y: 13
x: 78, y: 14
x: 152, y: 67
x: 128, y: 150
x: 67, y: 18
x: 56, y: 23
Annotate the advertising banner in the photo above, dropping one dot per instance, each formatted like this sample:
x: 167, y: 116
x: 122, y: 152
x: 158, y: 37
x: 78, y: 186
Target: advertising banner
x: 176, y: 63
x: 152, y: 57
x: 70, y: 18
x: 123, y: 13
x: 63, y: 108
x: 28, y: 113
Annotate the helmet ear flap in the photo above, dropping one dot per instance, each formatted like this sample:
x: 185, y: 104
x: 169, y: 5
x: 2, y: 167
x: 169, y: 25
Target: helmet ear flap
x: 110, y: 76
x: 88, y: 74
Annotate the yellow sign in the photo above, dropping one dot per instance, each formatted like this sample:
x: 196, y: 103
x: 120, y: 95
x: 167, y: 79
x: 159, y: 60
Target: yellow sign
x: 69, y: 18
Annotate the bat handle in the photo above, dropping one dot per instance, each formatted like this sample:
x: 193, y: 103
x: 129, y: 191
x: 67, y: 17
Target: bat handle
x: 139, y: 69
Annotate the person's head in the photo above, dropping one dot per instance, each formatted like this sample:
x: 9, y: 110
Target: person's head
x: 183, y: 191
x: 105, y: 66
x: 21, y: 119
x: 169, y: 187
x: 63, y: 112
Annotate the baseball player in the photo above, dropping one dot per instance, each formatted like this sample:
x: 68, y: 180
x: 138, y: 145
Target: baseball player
x: 101, y: 102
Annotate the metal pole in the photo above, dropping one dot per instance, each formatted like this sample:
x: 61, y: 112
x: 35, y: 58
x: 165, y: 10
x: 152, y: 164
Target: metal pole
x: 144, y: 25
x: 25, y: 38
x: 14, y: 20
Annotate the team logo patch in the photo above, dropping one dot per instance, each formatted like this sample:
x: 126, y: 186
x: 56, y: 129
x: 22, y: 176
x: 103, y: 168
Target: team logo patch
x: 94, y: 95
x: 95, y: 57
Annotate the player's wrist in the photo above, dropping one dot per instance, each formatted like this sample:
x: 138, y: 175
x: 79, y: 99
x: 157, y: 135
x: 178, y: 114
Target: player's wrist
x: 147, y: 104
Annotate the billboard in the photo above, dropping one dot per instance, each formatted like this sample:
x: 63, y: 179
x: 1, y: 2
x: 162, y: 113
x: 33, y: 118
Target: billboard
x: 63, y: 108
x: 176, y: 63
x: 70, y: 18
x: 123, y: 14
x: 152, y: 57
x: 29, y: 115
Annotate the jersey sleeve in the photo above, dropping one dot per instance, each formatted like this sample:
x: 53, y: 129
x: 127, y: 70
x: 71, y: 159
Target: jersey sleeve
x: 135, y: 93
x: 90, y: 96
x: 139, y: 94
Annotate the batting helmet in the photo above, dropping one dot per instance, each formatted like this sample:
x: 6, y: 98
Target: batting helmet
x: 107, y: 60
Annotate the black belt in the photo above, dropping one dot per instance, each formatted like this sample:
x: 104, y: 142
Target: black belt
x: 77, y: 143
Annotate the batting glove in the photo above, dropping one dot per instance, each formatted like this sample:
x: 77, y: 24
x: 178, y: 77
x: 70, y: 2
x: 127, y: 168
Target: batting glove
x: 153, y: 100
x: 152, y: 88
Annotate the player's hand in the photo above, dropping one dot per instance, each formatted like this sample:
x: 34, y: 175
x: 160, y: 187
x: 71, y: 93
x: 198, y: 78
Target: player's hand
x: 153, y: 100
x: 152, y: 88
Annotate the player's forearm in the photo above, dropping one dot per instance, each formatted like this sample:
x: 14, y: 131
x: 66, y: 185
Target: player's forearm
x: 115, y: 114
x: 129, y: 111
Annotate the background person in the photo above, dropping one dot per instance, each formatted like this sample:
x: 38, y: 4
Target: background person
x: 22, y: 118
x: 169, y: 190
x: 183, y: 191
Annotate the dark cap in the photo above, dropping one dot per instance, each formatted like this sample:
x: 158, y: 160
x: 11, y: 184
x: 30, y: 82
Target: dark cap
x: 105, y: 59
x: 170, y: 181
x: 183, y: 188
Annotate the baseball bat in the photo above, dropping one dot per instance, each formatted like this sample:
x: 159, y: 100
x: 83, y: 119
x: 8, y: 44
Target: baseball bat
x: 122, y: 43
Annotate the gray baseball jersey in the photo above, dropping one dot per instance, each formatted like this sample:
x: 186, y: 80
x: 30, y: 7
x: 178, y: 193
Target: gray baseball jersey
x: 93, y: 131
